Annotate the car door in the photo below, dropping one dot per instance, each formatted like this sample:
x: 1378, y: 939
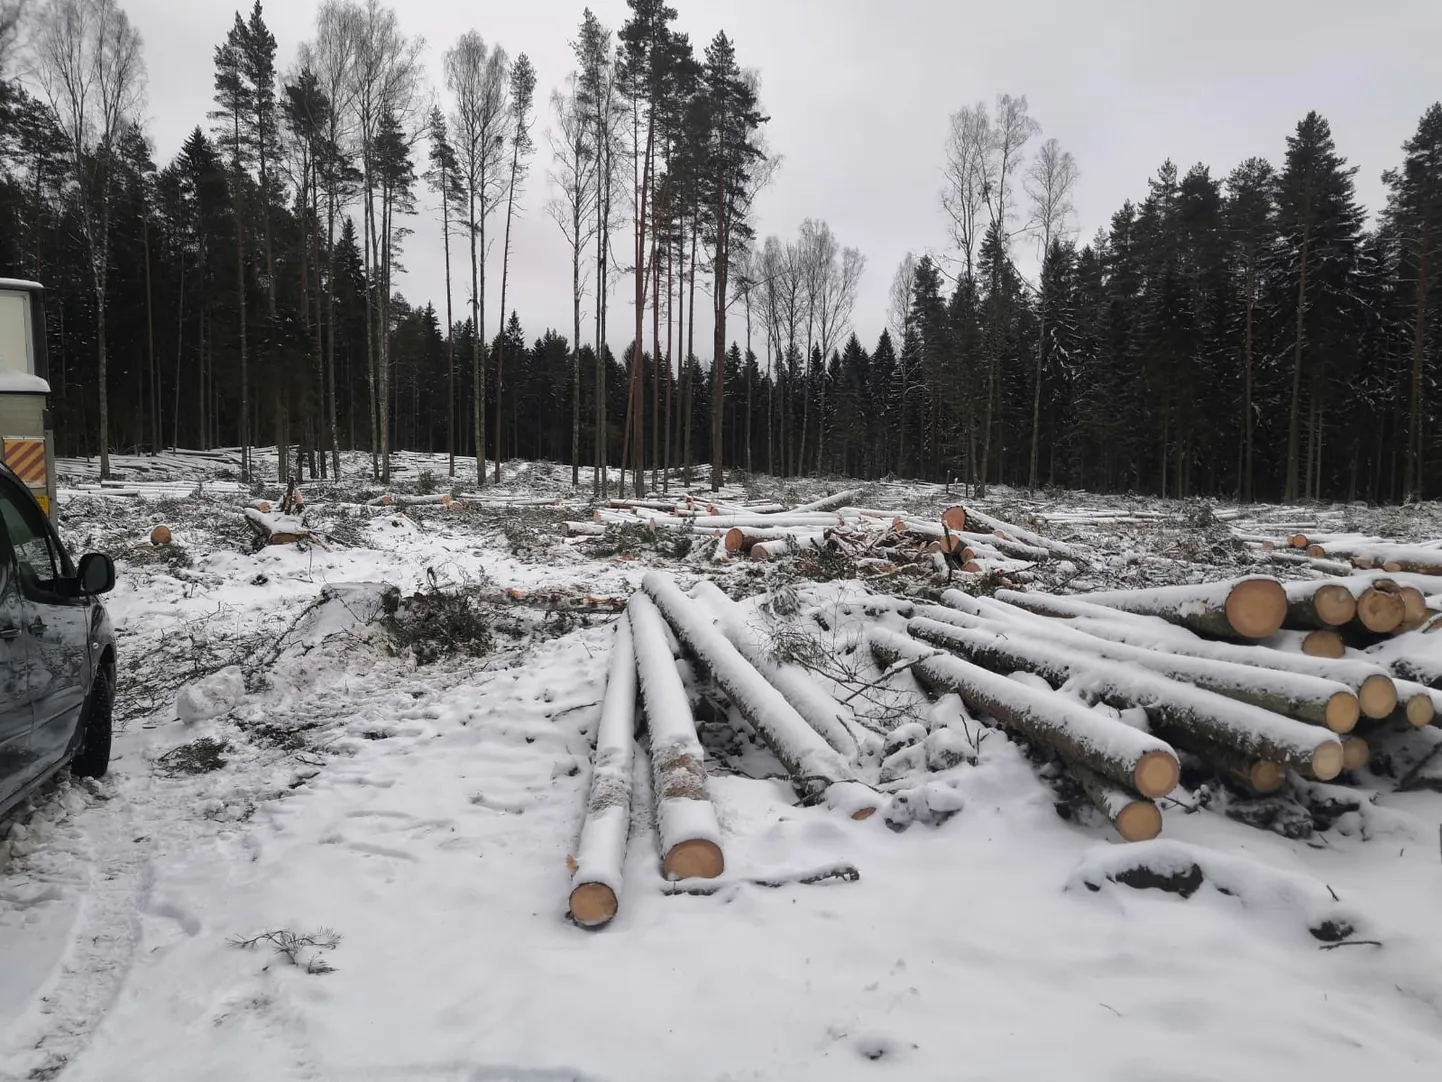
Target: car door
x: 53, y: 627
x: 16, y: 717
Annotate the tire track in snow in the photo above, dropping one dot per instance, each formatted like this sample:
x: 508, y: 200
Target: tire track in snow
x: 99, y: 950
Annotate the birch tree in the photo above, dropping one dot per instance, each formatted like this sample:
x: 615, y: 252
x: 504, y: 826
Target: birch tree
x: 445, y: 180
x: 88, y: 65
x: 476, y: 76
x: 574, y: 164
x: 1049, y: 183
x: 523, y: 96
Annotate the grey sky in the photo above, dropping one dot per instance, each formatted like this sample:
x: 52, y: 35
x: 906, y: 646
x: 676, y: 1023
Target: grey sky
x: 859, y: 92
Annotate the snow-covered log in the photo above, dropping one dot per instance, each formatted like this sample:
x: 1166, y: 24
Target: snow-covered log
x: 979, y: 542
x: 1301, y: 559
x: 1373, y: 685
x: 685, y: 818
x: 596, y: 881
x: 1313, y: 605
x: 1250, y: 730
x: 741, y: 538
x: 1135, y: 819
x: 1247, y: 608
x: 278, y: 529
x: 1114, y: 750
x: 1260, y: 776
x: 784, y: 546
x: 1307, y: 698
x: 828, y: 503
x: 1417, y: 559
x: 815, y: 520
x: 813, y: 764
x: 582, y: 529
x: 401, y: 499
x: 821, y: 711
x: 975, y: 518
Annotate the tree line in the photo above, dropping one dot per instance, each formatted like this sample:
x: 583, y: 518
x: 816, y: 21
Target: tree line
x: 1247, y: 334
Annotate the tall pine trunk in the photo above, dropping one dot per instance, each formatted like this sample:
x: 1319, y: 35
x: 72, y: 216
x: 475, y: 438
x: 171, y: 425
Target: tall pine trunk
x: 1294, y: 430
x: 1412, y: 488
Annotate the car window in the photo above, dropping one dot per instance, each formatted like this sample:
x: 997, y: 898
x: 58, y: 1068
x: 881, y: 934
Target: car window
x: 37, y: 556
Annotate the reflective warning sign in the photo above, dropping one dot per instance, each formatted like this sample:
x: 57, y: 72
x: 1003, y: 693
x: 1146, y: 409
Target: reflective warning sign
x: 26, y: 458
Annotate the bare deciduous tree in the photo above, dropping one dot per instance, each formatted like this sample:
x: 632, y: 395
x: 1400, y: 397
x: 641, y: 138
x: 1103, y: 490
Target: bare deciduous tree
x: 968, y: 156
x: 898, y: 301
x: 88, y: 65
x: 476, y: 74
x: 573, y: 173
x: 1049, y: 183
x: 523, y: 96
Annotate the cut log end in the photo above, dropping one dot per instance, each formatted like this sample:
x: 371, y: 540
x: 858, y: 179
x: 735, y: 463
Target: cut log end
x: 735, y: 539
x: 1139, y: 821
x: 1335, y: 604
x: 1317, y: 552
x: 1298, y: 541
x: 1157, y: 774
x: 1266, y: 777
x: 1380, y: 610
x: 160, y: 535
x: 1356, y: 753
x: 1256, y: 608
x: 1327, y: 761
x: 948, y: 543
x: 862, y: 814
x: 695, y: 859
x: 593, y: 904
x: 1414, y: 605
x: 1342, y: 712
x: 1420, y: 711
x: 1324, y: 643
x: 1377, y: 696
x: 954, y: 518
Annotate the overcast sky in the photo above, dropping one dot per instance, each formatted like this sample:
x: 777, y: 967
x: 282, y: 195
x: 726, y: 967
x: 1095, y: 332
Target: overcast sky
x: 859, y: 92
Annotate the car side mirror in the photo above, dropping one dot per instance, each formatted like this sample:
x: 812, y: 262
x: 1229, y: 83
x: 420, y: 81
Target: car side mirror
x: 96, y: 574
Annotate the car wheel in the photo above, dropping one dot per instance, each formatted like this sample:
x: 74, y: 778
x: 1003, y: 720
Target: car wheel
x: 92, y: 758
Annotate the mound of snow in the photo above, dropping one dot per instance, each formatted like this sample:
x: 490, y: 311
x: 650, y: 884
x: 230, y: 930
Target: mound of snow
x: 217, y: 694
x: 1183, y: 869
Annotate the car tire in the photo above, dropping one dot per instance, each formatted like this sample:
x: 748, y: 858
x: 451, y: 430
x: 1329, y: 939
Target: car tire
x: 92, y: 758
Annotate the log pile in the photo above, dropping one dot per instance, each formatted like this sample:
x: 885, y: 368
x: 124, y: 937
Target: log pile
x: 958, y: 541
x: 804, y: 727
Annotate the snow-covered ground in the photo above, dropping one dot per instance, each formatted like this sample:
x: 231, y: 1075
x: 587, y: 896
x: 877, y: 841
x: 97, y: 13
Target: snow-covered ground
x: 404, y: 830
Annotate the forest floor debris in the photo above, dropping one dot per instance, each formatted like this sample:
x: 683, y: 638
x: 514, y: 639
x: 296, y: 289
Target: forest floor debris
x: 446, y: 770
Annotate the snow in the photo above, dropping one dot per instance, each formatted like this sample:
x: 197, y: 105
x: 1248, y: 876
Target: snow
x: 211, y: 697
x: 429, y: 813
x: 22, y: 383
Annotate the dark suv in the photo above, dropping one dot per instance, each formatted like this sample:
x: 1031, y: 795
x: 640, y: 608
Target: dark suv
x: 57, y: 652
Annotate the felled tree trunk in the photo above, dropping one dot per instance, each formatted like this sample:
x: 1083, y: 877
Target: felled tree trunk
x: 1247, y: 729
x: 1375, y: 690
x: 828, y: 503
x: 812, y: 763
x: 1248, y: 608
x: 1313, y: 605
x: 821, y: 711
x: 601, y: 854
x: 685, y: 818
x: 1114, y: 750
x: 278, y: 529
x: 1136, y: 820
x: 1306, y: 698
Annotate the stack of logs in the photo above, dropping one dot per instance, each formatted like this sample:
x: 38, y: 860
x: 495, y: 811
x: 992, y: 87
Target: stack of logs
x: 884, y: 540
x: 1222, y: 672
x: 802, y: 725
